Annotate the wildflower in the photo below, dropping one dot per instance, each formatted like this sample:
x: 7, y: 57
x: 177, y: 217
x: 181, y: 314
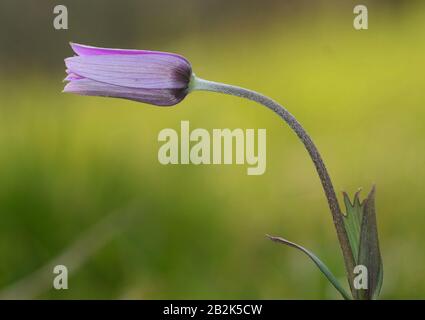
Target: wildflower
x: 164, y: 79
x: 153, y: 77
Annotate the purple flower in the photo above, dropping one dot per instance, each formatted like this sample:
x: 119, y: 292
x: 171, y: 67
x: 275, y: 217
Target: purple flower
x: 152, y: 77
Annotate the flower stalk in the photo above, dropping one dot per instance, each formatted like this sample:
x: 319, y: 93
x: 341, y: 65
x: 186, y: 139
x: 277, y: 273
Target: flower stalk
x: 205, y: 85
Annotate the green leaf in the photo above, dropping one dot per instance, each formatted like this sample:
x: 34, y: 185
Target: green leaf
x: 325, y: 270
x: 352, y: 222
x: 369, y: 253
x: 362, y: 232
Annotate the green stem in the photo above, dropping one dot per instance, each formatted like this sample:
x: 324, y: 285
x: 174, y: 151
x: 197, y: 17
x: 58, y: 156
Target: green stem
x: 205, y: 85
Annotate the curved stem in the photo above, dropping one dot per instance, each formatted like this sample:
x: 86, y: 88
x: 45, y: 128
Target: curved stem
x: 205, y: 85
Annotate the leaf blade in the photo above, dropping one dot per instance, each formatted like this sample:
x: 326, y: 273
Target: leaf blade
x: 369, y: 252
x: 352, y: 222
x: 323, y: 268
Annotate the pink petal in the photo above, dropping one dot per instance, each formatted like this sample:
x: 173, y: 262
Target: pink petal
x: 149, y: 71
x: 159, y: 97
x: 84, y: 50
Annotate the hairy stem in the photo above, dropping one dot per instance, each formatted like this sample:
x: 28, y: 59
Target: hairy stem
x: 205, y: 85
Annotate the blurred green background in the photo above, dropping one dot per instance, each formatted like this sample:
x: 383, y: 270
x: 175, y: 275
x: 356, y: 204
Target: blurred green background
x: 68, y: 162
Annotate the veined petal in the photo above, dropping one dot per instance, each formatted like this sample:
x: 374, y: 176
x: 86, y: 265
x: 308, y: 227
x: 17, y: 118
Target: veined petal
x: 72, y: 76
x: 159, y: 97
x: 149, y: 70
x: 84, y: 50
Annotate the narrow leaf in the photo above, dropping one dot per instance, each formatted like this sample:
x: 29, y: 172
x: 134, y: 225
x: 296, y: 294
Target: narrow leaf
x: 369, y: 253
x: 325, y: 270
x: 352, y: 222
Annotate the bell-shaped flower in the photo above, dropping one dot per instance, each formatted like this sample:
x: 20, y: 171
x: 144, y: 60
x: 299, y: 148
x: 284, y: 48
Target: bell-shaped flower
x: 153, y: 77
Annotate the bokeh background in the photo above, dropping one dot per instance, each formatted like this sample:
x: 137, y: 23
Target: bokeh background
x: 80, y: 183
